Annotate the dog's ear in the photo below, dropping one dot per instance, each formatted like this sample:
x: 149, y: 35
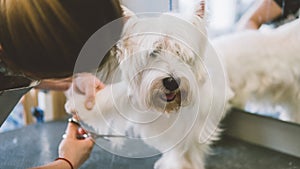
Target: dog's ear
x: 127, y: 13
x: 192, y: 7
x: 200, y: 10
x: 108, y: 66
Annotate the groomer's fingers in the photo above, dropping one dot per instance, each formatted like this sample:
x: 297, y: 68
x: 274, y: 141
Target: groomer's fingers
x: 88, y: 84
x: 55, y: 84
x: 90, y: 92
x: 81, y: 131
x: 72, y: 130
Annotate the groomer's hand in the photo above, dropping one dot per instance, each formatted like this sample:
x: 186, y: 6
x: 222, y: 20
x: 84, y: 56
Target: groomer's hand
x: 55, y: 84
x: 76, y: 150
x: 89, y: 85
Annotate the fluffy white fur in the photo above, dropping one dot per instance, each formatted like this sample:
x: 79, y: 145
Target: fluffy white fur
x: 264, y: 68
x: 175, y: 122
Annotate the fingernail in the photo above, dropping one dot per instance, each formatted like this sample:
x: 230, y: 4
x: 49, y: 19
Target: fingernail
x: 89, y: 105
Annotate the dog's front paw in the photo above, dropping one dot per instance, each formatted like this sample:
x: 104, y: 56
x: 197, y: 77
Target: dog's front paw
x: 69, y: 108
x: 74, y: 101
x: 75, y: 105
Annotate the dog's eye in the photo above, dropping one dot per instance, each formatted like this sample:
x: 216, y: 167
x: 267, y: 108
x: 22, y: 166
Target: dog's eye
x: 154, y: 53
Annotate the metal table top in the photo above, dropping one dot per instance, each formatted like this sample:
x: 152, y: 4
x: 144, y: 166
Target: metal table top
x: 37, y: 144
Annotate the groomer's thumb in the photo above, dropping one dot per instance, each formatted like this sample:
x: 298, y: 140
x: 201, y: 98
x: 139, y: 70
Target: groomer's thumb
x: 71, y: 130
x: 90, y: 95
x: 89, y: 103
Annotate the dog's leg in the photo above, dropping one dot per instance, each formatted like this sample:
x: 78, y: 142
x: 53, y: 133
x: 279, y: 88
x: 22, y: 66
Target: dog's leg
x: 188, y: 155
x: 184, y: 153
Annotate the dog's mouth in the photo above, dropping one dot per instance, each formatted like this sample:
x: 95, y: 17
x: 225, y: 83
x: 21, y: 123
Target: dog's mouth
x: 169, y: 101
x: 168, y: 97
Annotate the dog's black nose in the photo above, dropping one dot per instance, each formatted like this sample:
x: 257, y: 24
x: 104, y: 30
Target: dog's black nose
x: 170, y: 83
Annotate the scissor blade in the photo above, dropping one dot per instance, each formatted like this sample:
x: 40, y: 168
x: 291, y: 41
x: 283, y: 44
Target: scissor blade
x: 95, y: 135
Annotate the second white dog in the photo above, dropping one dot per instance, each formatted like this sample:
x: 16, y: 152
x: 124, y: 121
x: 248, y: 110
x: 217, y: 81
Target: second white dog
x: 264, y: 68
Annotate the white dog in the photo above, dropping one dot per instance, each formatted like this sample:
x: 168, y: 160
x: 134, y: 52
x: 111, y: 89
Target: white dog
x: 164, y: 93
x: 264, y: 68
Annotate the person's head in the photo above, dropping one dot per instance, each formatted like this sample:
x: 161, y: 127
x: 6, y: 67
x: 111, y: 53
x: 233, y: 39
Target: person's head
x: 42, y: 38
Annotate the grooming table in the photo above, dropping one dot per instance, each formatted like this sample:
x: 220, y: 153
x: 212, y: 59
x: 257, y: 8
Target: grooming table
x: 37, y: 144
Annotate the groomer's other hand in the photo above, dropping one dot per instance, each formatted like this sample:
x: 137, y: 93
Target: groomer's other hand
x: 55, y: 84
x: 89, y: 85
x: 77, y: 151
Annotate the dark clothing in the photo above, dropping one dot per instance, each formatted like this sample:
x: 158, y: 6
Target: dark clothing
x: 288, y: 6
x: 8, y: 100
x: 290, y: 11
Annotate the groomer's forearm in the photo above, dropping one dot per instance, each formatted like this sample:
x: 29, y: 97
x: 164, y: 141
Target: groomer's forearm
x: 55, y: 165
x: 262, y: 12
x: 266, y: 12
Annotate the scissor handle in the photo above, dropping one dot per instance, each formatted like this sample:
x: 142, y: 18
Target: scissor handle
x: 74, y: 121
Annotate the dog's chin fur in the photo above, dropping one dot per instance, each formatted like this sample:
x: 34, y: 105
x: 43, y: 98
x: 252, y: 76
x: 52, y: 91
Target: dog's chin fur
x: 264, y: 68
x: 161, y: 104
x: 152, y: 49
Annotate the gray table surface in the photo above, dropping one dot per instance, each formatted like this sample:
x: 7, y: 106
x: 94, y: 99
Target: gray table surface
x: 37, y: 144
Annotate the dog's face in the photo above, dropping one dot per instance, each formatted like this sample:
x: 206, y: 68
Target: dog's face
x: 162, y: 67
